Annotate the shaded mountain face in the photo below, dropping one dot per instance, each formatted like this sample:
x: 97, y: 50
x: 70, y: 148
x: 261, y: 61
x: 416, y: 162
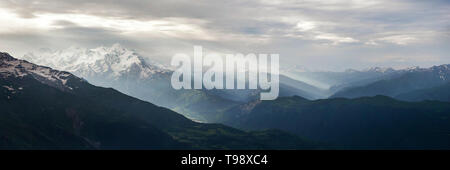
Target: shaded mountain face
x: 44, y: 108
x: 410, y: 80
x: 438, y: 93
x: 364, y: 123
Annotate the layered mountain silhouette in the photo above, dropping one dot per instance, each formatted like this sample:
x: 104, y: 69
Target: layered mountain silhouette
x: 330, y: 82
x: 127, y: 71
x: 43, y: 108
x: 410, y: 80
x: 370, y: 109
x: 378, y: 122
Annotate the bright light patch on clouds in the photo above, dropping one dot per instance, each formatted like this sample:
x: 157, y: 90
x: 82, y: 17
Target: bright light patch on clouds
x: 11, y: 22
x: 305, y: 25
x: 177, y: 28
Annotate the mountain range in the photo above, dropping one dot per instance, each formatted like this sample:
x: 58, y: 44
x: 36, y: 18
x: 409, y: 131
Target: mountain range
x: 127, y: 71
x: 410, y: 84
x: 43, y: 108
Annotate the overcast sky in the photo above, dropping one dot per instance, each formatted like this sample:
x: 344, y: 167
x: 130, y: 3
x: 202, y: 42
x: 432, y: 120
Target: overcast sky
x: 325, y: 35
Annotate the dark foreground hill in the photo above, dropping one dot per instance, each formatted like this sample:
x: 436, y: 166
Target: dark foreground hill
x: 363, y: 123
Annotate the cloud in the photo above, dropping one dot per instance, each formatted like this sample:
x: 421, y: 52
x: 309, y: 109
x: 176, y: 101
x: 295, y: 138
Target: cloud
x: 335, y: 39
x: 305, y: 25
x: 301, y: 30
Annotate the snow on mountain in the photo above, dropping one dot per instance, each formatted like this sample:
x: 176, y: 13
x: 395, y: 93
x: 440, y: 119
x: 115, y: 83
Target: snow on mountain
x: 443, y: 71
x: 112, y: 62
x: 411, y: 69
x: 380, y: 69
x: 11, y: 67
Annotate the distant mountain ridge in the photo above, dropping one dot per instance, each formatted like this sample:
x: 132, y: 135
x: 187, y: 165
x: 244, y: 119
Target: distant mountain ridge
x: 409, y: 80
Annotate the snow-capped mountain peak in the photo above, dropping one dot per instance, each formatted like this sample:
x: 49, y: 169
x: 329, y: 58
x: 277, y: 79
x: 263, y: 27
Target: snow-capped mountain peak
x: 113, y: 62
